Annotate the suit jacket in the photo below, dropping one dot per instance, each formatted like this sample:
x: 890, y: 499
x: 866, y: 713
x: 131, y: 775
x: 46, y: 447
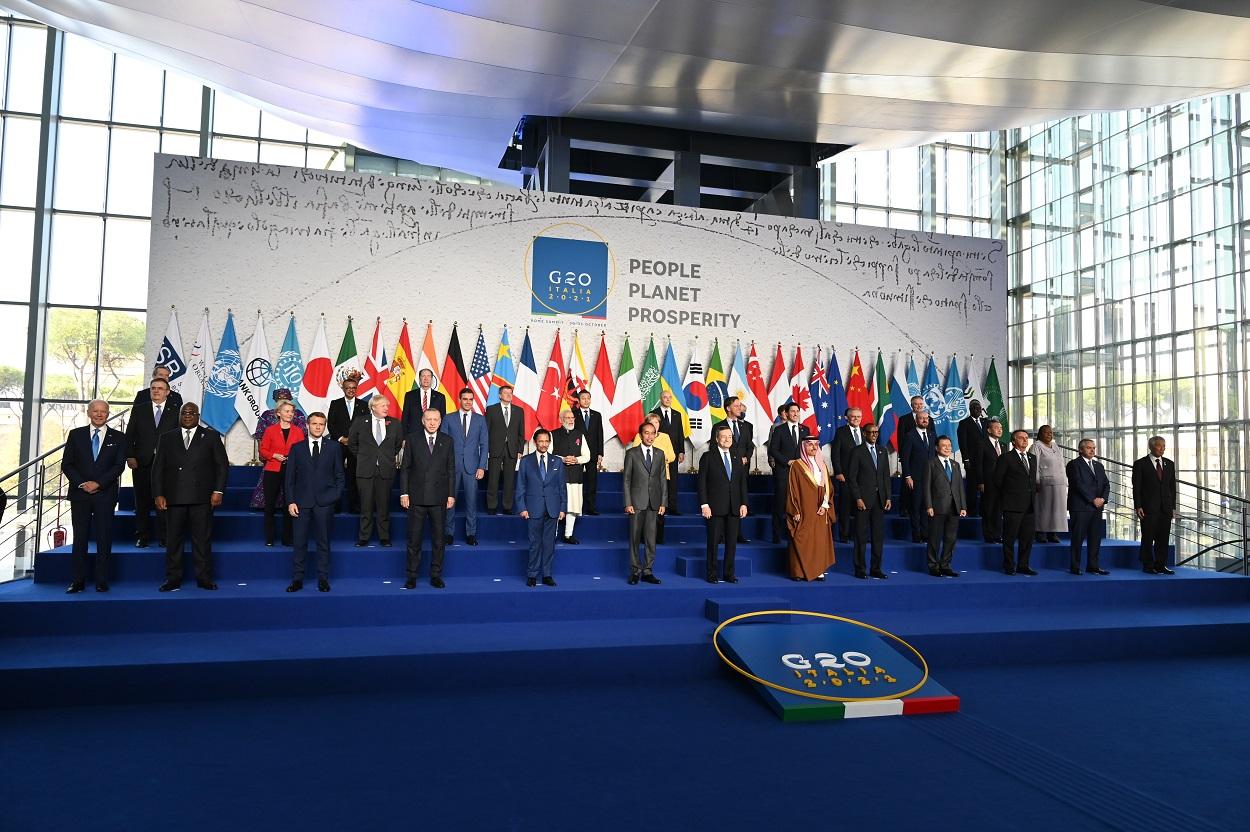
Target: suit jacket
x: 865, y: 482
x: 1149, y: 492
x: 142, y: 431
x: 745, y: 446
x: 506, y: 441
x: 189, y: 476
x: 907, y: 423
x: 914, y: 455
x: 723, y: 494
x: 840, y: 450
x: 592, y: 430
x: 471, y: 450
x: 980, y: 459
x: 373, y: 459
x: 314, y: 483
x: 1084, y: 485
x: 105, y: 470
x: 338, y: 424
x: 272, y: 443
x: 539, y: 496
x: 1016, y: 486
x: 970, y: 430
x: 645, y: 489
x: 428, y: 478
x: 782, y: 448
x: 144, y: 397
x: 940, y: 493
x: 412, y: 409
x: 674, y: 429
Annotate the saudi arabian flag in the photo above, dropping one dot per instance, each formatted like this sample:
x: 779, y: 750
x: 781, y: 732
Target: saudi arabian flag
x: 347, y: 362
x: 649, y: 380
x: 995, y: 408
x: 880, y: 392
x: 717, y: 388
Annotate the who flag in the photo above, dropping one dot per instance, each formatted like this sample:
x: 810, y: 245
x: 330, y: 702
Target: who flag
x: 253, y: 390
x: 223, y: 382
x: 913, y: 381
x: 479, y: 374
x: 504, y: 372
x: 695, y: 400
x: 956, y: 404
x: 288, y: 370
x: 314, y: 393
x: 170, y: 356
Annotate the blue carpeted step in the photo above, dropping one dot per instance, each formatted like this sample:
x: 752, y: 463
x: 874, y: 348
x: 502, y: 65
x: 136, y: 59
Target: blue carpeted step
x: 726, y: 607
x: 695, y: 566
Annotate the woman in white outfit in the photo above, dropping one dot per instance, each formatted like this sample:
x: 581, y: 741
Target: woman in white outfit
x: 568, y: 443
x: 1052, y: 487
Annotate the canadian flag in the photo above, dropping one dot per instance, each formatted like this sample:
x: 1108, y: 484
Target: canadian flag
x: 553, y: 388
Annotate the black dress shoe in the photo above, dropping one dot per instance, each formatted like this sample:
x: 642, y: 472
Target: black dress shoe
x: 633, y: 579
x: 101, y: 586
x: 549, y: 581
x: 947, y: 572
x: 448, y: 540
x: 732, y: 579
x: 1052, y: 537
x: 742, y: 539
x: 141, y: 544
x: 879, y: 575
x: 169, y: 586
x: 411, y: 583
x: 1039, y: 538
x: 1163, y: 570
x: 915, y: 538
x: 1149, y: 570
x: 471, y: 540
x: 591, y: 513
x: 937, y: 573
x: 386, y: 542
x: 1024, y: 570
x: 1097, y: 571
x: 295, y: 586
x: 572, y: 541
x: 711, y: 579
x: 75, y: 588
x: 323, y: 586
x: 1008, y: 571
x: 650, y: 579
x: 1075, y: 571
x: 206, y: 584
x: 437, y: 583
x: 863, y: 576
x: 360, y: 544
x: 531, y: 582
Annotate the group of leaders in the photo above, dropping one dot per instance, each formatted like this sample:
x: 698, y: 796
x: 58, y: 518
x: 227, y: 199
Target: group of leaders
x: 357, y: 450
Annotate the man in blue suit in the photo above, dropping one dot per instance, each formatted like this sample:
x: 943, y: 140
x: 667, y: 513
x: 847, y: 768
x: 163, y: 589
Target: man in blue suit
x: 313, y: 487
x: 542, y: 498
x: 1088, y: 490
x: 95, y: 456
x: 471, y: 442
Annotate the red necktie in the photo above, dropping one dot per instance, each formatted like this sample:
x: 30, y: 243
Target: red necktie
x: 1159, y: 470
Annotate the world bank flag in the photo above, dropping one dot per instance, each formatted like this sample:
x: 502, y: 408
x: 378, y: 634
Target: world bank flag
x: 223, y: 382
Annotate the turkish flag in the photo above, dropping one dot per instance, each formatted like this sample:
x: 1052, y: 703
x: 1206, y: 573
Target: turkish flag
x: 552, y: 389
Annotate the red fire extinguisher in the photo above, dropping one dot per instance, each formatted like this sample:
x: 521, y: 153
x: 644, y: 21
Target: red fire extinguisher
x: 57, y: 536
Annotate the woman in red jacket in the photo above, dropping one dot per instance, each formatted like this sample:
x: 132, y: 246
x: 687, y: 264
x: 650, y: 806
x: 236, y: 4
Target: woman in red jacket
x: 275, y: 445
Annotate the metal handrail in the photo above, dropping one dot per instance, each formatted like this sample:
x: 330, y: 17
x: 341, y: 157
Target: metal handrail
x: 57, y: 449
x: 1210, y: 548
x: 1129, y: 465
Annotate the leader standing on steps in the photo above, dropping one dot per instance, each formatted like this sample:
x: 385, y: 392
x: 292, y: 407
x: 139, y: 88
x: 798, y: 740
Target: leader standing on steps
x: 646, y: 488
x: 427, y: 480
x: 188, y: 481
x: 313, y: 486
x: 723, y: 501
x: 94, y: 458
x: 810, y: 514
x: 541, y: 496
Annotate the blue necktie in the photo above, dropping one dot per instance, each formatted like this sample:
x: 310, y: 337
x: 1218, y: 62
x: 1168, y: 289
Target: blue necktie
x: 872, y: 451
x: 729, y: 471
x: 542, y: 466
x: 947, y: 463
x: 95, y: 444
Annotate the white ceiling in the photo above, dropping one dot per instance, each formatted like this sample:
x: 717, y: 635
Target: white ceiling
x: 444, y: 82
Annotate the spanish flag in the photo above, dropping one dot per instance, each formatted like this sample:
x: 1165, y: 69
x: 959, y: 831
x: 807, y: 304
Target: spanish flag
x: 403, y: 374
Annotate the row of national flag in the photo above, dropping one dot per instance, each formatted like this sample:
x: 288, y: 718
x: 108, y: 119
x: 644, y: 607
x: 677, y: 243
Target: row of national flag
x: 230, y: 387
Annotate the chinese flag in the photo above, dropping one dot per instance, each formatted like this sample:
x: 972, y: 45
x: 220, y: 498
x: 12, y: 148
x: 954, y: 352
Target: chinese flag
x: 857, y: 393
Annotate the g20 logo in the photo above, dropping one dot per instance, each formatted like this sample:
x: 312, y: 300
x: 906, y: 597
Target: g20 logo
x: 797, y: 661
x: 569, y: 276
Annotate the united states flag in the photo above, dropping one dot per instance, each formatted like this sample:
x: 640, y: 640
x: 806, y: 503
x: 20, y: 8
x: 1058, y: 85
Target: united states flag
x: 480, y: 375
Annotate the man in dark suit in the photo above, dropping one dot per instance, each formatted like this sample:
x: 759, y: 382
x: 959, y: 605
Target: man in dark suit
x: 148, y: 420
x: 846, y: 439
x: 542, y: 497
x: 785, y: 444
x: 93, y: 461
x: 915, y: 449
x: 416, y: 402
x: 144, y: 396
x: 313, y: 487
x: 645, y: 486
x: 868, y: 483
x: 1154, y: 499
x: 427, y: 483
x: 944, y: 502
x: 907, y: 422
x: 1015, y: 484
x: 505, y: 428
x: 375, y: 442
x: 344, y: 413
x: 986, y: 452
x: 673, y: 425
x: 744, y: 438
x: 971, y: 433
x: 189, y: 479
x: 590, y: 423
x: 722, y: 501
x: 1088, y: 491
x: 471, y: 442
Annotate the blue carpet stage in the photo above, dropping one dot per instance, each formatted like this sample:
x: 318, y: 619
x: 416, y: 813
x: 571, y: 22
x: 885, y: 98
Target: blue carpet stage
x: 1087, y: 702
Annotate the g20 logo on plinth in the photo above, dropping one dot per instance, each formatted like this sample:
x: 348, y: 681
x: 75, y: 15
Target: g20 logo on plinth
x: 570, y: 275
